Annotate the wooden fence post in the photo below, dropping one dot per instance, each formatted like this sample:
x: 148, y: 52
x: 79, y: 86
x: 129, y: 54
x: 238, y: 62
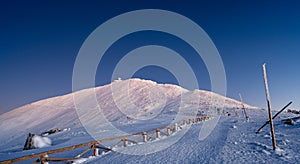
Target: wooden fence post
x: 168, y: 131
x: 144, y: 136
x: 175, y: 127
x: 124, y: 142
x: 95, y: 150
x: 269, y: 107
x: 157, y: 133
x: 43, y: 159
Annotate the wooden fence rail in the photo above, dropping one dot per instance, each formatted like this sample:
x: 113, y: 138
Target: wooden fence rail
x: 146, y: 136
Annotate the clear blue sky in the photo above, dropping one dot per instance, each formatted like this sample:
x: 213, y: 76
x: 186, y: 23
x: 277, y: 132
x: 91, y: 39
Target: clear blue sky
x: 39, y: 42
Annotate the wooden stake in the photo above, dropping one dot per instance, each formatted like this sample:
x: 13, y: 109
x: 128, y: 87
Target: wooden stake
x: 269, y: 107
x: 43, y: 159
x: 175, y: 127
x: 144, y: 136
x: 124, y: 142
x: 95, y: 150
x: 157, y: 133
x: 168, y: 131
x: 243, y: 107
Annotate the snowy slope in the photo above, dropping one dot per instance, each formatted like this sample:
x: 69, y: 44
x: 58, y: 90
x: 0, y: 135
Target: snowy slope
x: 59, y: 112
x: 232, y: 141
x: 144, y: 106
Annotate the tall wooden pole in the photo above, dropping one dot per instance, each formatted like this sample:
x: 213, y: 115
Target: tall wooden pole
x: 269, y: 106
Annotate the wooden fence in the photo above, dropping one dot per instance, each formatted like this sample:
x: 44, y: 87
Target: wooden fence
x: 94, y: 146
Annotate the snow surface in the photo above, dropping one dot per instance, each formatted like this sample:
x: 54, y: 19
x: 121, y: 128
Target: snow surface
x: 40, y: 142
x: 148, y: 105
x: 233, y: 141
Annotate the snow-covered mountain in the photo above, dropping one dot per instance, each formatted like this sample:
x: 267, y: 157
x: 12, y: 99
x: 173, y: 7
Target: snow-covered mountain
x: 136, y: 105
x: 132, y: 102
x: 131, y: 105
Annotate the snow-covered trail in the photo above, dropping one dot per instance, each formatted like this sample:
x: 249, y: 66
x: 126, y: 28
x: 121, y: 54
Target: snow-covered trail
x: 232, y: 141
x: 188, y: 149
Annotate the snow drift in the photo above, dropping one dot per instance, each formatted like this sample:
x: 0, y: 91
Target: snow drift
x: 40, y: 142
